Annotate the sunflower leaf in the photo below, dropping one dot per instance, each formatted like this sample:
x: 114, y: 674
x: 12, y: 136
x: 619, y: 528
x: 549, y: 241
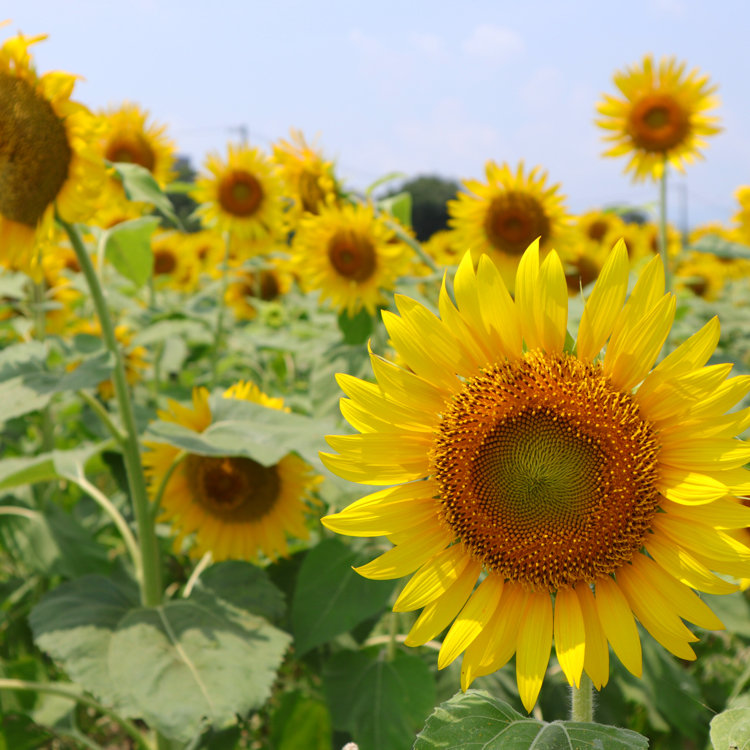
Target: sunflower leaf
x: 301, y: 721
x: 128, y: 247
x: 187, y: 667
x: 477, y: 719
x: 356, y: 329
x: 330, y: 598
x: 731, y: 729
x: 380, y: 702
x: 139, y: 185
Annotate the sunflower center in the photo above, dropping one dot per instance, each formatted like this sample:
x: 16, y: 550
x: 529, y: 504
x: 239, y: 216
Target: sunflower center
x: 264, y: 286
x: 514, y: 220
x: 132, y: 148
x: 240, y: 193
x: 597, y: 230
x: 547, y: 473
x: 658, y: 123
x: 34, y: 152
x: 164, y: 262
x: 310, y: 192
x: 352, y: 255
x: 233, y: 487
x: 583, y: 271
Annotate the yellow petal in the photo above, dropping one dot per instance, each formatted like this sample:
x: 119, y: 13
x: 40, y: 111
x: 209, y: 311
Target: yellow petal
x: 701, y: 539
x: 596, y: 655
x: 570, y: 637
x: 473, y: 618
x: 499, y: 310
x: 527, y: 276
x: 648, y: 290
x: 618, y: 624
x: 352, y: 468
x: 533, y: 647
x: 552, y: 308
x: 724, y: 513
x: 689, y: 487
x: 604, y: 304
x: 433, y: 579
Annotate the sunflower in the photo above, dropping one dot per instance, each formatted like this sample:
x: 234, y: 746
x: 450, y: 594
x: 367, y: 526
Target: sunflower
x: 46, y: 158
x: 247, y: 286
x: 175, y: 264
x: 702, y: 273
x: 576, y: 491
x: 235, y: 507
x: 309, y: 179
x: 662, y: 117
x: 507, y: 213
x: 242, y: 195
x: 349, y: 254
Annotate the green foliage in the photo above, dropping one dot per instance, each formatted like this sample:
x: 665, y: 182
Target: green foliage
x: 381, y: 702
x: 19, y: 732
x: 301, y: 721
x: 429, y: 196
x: 140, y: 185
x: 730, y: 730
x: 398, y: 206
x: 127, y: 246
x: 477, y: 719
x: 330, y: 598
x: 357, y: 328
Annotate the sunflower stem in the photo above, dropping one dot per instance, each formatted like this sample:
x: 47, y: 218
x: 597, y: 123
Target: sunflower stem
x: 582, y: 700
x: 150, y: 564
x: 104, y: 417
x: 416, y: 247
x: 222, y: 308
x: 663, y: 228
x: 40, y: 333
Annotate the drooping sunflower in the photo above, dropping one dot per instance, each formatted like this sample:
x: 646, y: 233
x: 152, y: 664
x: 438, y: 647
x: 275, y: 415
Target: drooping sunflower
x: 234, y: 507
x: 309, y: 179
x: 547, y: 494
x: 504, y: 215
x: 242, y: 195
x: 47, y: 160
x: 661, y: 118
x: 349, y: 254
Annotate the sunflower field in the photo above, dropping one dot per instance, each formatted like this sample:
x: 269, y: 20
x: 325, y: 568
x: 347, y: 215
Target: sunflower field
x: 278, y: 473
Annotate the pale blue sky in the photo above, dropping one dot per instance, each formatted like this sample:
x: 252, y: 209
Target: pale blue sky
x: 414, y: 86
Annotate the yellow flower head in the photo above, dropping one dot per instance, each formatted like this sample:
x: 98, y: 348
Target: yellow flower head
x: 242, y: 195
x: 542, y: 495
x: 246, y: 286
x: 175, y: 263
x: 235, y: 507
x: 661, y: 117
x: 309, y: 179
x: 46, y: 156
x: 502, y: 216
x: 349, y: 254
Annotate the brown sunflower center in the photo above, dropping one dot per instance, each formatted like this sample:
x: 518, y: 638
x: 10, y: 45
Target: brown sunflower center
x: 34, y: 152
x: 597, y: 230
x: 240, y: 193
x: 263, y: 286
x: 164, y: 261
x: 547, y: 473
x: 514, y: 220
x: 658, y: 122
x: 233, y: 487
x: 582, y: 272
x: 310, y: 192
x: 132, y: 148
x: 352, y: 255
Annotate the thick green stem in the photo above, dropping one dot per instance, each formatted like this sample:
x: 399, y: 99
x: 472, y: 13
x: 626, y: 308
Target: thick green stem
x: 103, y: 414
x: 582, y: 700
x: 222, y: 309
x: 150, y: 581
x: 75, y: 695
x: 663, y: 229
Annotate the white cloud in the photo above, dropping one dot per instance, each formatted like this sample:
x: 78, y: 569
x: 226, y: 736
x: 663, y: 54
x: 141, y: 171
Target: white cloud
x: 429, y: 45
x: 493, y: 44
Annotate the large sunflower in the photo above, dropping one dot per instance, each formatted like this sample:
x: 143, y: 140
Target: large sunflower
x: 242, y: 195
x: 349, y: 254
x: 46, y: 157
x: 504, y: 215
x: 576, y: 491
x: 235, y: 507
x: 661, y: 117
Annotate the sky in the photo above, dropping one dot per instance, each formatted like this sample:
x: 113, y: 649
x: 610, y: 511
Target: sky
x: 411, y: 86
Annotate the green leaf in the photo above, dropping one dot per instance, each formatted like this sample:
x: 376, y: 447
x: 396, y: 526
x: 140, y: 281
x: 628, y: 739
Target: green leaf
x: 381, y: 703
x: 398, y: 206
x: 19, y: 732
x: 301, y: 722
x: 241, y: 585
x: 74, y: 624
x: 721, y: 248
x: 243, y: 428
x: 140, y: 185
x: 730, y: 730
x: 128, y: 247
x: 186, y: 666
x: 386, y: 178
x: 330, y: 598
x: 732, y: 609
x: 476, y: 719
x: 357, y: 329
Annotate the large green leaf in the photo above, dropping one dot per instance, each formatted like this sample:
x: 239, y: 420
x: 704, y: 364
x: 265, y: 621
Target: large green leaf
x: 330, y: 598
x: 19, y: 732
x: 475, y: 719
x: 398, y: 206
x: 301, y: 721
x: 357, y: 328
x: 140, y: 185
x: 242, y: 585
x: 74, y: 624
x: 242, y: 428
x: 381, y: 703
x: 730, y: 730
x: 186, y: 666
x: 127, y: 246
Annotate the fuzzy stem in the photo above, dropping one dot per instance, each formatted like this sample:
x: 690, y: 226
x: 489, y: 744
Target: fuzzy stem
x: 150, y: 564
x: 582, y: 700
